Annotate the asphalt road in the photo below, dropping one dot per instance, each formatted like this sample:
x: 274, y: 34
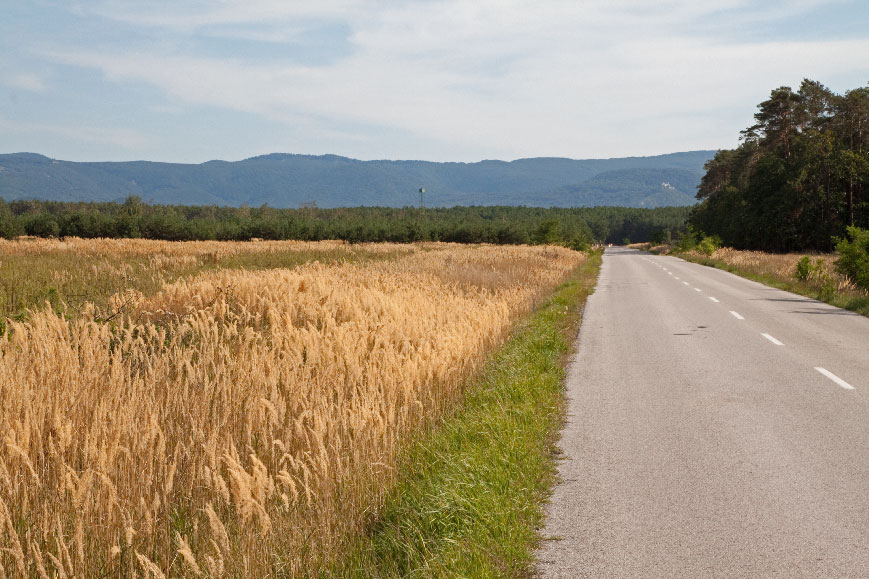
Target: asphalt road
x: 717, y: 428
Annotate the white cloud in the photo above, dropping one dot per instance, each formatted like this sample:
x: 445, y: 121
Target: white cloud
x: 198, y: 15
x: 125, y: 138
x: 26, y: 81
x: 503, y: 77
x: 166, y: 109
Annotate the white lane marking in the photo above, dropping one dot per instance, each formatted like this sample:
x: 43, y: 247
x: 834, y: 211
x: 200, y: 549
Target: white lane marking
x: 697, y: 289
x: 735, y: 315
x: 686, y: 283
x: 674, y: 277
x: 714, y: 300
x: 771, y: 339
x: 670, y: 273
x: 834, y: 378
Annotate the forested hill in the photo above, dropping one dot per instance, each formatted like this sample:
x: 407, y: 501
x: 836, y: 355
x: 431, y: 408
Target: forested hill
x: 282, y: 180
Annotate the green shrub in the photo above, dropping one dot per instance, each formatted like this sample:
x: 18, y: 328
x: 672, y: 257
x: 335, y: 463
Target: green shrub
x: 708, y: 245
x: 827, y: 291
x: 687, y: 240
x: 10, y: 228
x: 42, y: 225
x: 578, y: 243
x: 854, y: 256
x: 805, y: 268
x: 662, y: 236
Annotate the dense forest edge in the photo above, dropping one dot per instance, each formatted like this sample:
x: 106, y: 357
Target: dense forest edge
x: 799, y: 180
x: 574, y: 227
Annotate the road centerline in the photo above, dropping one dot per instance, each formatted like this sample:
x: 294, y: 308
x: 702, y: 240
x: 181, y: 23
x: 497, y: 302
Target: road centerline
x: 771, y: 339
x: 834, y: 378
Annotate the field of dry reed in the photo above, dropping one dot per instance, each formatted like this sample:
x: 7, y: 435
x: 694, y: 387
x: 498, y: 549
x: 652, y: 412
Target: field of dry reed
x: 816, y: 279
x: 783, y: 266
x: 237, y: 415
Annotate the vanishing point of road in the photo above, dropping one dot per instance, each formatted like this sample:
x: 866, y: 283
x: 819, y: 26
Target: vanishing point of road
x: 717, y: 428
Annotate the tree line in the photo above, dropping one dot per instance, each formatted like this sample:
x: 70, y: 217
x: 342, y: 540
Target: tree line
x: 575, y: 227
x: 799, y: 178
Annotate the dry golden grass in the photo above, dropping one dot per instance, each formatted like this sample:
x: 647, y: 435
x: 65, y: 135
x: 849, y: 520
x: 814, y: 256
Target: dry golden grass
x: 783, y: 266
x: 72, y: 272
x: 238, y: 422
x: 129, y: 248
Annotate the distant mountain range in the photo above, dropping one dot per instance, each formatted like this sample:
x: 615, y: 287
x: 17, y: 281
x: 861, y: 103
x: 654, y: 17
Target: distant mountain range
x: 282, y: 180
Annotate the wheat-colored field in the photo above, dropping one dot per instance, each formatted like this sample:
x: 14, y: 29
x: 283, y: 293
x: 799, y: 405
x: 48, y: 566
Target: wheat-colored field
x: 238, y: 421
x: 73, y: 272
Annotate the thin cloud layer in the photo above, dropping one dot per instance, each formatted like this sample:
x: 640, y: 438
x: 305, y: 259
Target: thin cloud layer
x: 442, y: 80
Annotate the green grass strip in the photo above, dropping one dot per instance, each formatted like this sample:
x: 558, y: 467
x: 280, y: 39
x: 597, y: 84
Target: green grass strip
x: 470, y: 491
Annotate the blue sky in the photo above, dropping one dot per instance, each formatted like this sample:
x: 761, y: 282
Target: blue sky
x: 189, y: 80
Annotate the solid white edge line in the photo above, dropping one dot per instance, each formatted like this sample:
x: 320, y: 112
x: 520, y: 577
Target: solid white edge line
x: 736, y: 315
x: 771, y: 339
x: 834, y: 378
x: 714, y: 300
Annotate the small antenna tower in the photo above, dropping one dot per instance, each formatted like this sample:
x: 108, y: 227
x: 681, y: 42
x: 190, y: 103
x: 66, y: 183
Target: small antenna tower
x: 422, y: 197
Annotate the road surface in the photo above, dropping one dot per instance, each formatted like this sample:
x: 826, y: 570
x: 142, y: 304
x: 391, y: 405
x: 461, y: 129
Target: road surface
x: 717, y: 428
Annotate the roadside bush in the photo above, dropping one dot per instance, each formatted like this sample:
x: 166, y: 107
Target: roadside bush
x: 708, y: 245
x: 662, y: 236
x: 578, y: 243
x: 809, y: 270
x: 805, y: 268
x: 687, y: 240
x: 854, y: 256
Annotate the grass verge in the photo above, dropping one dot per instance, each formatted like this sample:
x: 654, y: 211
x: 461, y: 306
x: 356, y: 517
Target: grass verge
x: 855, y: 301
x: 470, y: 491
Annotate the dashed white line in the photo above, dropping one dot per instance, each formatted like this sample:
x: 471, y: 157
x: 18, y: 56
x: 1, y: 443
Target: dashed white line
x: 834, y: 378
x: 674, y: 277
x: 697, y: 289
x: 669, y: 273
x: 735, y: 315
x: 686, y: 283
x: 714, y: 300
x: 771, y: 339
